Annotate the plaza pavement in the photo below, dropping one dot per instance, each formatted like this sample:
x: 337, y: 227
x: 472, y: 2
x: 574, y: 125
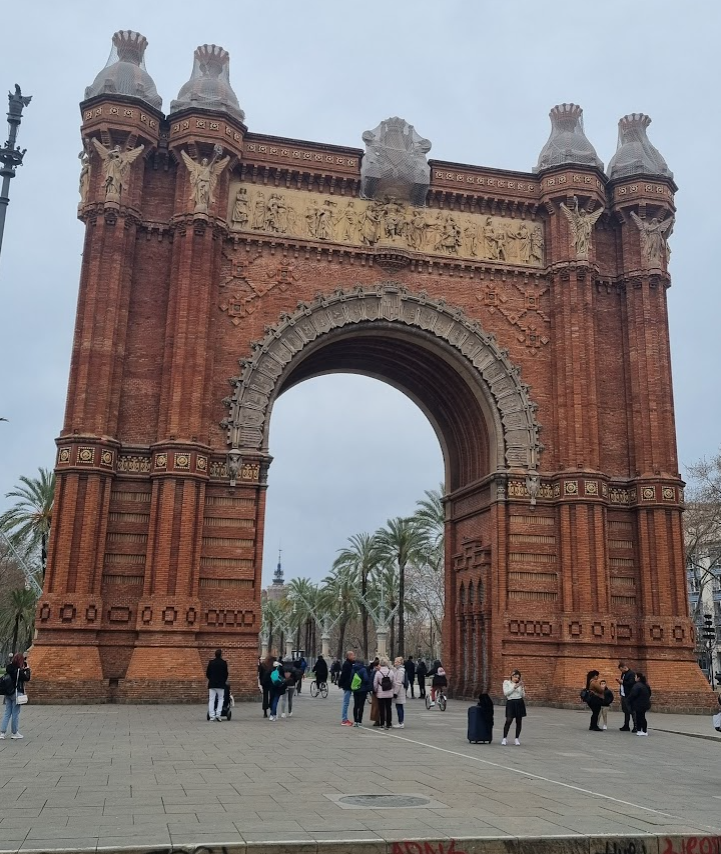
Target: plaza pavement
x: 112, y: 778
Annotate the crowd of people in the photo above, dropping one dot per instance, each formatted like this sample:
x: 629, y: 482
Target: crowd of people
x: 635, y: 695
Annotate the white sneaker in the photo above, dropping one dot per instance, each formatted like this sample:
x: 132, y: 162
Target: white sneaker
x: 17, y: 735
x: 432, y: 704
x: 398, y: 726
x: 290, y: 714
x: 604, y: 727
x: 283, y: 715
x: 504, y: 742
x: 640, y: 733
x: 273, y: 718
x: 2, y: 735
x: 517, y: 742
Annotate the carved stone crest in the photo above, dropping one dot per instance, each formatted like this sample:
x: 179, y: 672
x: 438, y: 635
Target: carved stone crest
x: 395, y: 162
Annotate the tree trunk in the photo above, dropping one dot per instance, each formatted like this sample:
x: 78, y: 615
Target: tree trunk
x: 392, y: 639
x: 270, y: 639
x: 401, y: 608
x: 16, y: 632
x: 364, y: 611
x: 341, y: 638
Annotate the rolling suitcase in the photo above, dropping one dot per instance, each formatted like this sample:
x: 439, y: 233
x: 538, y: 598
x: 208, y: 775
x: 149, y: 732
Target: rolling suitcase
x: 479, y: 730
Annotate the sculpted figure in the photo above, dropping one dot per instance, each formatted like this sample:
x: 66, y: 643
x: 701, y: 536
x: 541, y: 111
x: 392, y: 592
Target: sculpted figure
x: 371, y: 224
x: 470, y: 232
x: 240, y: 217
x: 581, y: 226
x: 84, y: 184
x: 537, y: 244
x: 415, y: 228
x: 348, y: 222
x: 311, y: 218
x: 495, y: 240
x: 326, y: 221
x: 522, y: 239
x: 116, y: 165
x: 449, y: 239
x: 392, y: 219
x: 277, y: 214
x: 204, y: 178
x: 259, y: 212
x: 653, y: 237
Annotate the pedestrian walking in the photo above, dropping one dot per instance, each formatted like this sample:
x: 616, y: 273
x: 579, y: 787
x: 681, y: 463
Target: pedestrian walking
x: 217, y: 675
x: 290, y: 674
x: 383, y: 689
x: 265, y: 668
x: 400, y: 679
x: 594, y: 698
x: 360, y: 686
x: 344, y: 680
x: 639, y: 702
x: 18, y: 674
x: 607, y: 701
x: 421, y: 672
x: 320, y: 671
x: 334, y: 671
x: 410, y: 667
x: 515, y: 693
x: 301, y: 665
x: 278, y: 687
x: 626, y: 682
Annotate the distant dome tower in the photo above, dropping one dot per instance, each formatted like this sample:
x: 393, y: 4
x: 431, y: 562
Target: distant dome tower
x: 635, y: 154
x: 209, y: 85
x: 567, y: 143
x: 124, y: 72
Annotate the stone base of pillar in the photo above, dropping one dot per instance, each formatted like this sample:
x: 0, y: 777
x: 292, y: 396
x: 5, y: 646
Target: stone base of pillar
x: 66, y: 674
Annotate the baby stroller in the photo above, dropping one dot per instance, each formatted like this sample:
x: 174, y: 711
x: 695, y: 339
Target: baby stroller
x: 226, y: 712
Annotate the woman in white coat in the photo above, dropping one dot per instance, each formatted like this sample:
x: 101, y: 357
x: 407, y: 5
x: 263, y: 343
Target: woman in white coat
x: 399, y: 691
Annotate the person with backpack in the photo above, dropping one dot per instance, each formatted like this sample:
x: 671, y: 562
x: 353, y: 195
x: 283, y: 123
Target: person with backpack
x: 13, y: 684
x: 400, y: 685
x: 291, y: 676
x: 383, y: 689
x: 410, y: 667
x: 594, y: 698
x: 265, y: 668
x: 278, y: 687
x: 360, y: 685
x: 217, y: 675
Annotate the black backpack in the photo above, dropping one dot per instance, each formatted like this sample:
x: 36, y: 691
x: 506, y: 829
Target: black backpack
x: 386, y: 682
x: 7, y: 686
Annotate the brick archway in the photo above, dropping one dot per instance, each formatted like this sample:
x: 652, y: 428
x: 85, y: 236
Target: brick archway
x: 490, y: 397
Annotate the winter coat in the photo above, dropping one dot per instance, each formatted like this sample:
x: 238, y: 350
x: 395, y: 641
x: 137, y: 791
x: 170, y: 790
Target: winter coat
x: 628, y: 680
x: 595, y: 687
x: 399, y: 688
x: 216, y: 673
x: 321, y: 669
x: 346, y: 673
x: 12, y: 671
x: 380, y: 673
x: 362, y: 671
x: 421, y: 670
x: 410, y: 667
x: 639, y: 700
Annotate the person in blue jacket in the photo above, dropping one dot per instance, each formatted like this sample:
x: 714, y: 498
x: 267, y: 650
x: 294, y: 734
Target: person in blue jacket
x: 360, y: 692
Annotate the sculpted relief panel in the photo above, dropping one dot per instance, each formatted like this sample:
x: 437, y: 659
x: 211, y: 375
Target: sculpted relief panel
x: 387, y: 222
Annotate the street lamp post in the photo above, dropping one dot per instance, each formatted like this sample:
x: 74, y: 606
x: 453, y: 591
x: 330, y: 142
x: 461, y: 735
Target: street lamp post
x: 11, y: 156
x: 709, y: 637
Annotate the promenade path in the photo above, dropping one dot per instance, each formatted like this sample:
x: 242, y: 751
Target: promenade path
x: 144, y: 778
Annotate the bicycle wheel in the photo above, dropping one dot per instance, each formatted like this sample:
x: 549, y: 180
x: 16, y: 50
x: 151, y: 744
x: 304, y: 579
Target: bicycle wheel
x: 324, y: 689
x: 313, y: 689
x: 442, y: 702
x: 428, y: 701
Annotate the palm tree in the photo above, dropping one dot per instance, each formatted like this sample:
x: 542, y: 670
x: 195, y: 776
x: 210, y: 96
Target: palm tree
x: 17, y: 610
x: 361, y: 558
x: 339, y: 598
x: 430, y: 517
x: 399, y: 543
x: 27, y: 523
x: 302, y: 593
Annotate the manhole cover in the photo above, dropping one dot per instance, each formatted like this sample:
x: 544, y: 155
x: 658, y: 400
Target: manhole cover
x: 384, y: 801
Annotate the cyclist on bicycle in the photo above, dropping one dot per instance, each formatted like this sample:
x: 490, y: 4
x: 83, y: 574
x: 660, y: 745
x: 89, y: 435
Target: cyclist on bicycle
x: 321, y: 671
x: 438, y: 679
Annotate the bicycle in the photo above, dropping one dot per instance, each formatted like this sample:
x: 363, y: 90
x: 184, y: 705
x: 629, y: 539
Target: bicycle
x: 316, y: 689
x: 441, y: 699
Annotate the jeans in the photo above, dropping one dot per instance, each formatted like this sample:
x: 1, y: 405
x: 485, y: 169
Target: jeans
x: 401, y: 712
x: 215, y: 695
x: 274, y: 697
x: 346, y: 703
x: 286, y: 700
x: 12, y: 710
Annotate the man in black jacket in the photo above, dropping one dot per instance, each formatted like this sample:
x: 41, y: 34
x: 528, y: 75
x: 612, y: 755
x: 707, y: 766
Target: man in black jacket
x: 217, y: 675
x: 344, y: 680
x: 410, y: 667
x: 421, y: 672
x: 320, y: 670
x: 627, y: 681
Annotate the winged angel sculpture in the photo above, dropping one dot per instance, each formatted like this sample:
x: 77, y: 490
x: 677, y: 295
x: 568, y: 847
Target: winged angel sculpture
x: 654, y: 235
x: 116, y: 165
x: 204, y: 178
x: 581, y: 224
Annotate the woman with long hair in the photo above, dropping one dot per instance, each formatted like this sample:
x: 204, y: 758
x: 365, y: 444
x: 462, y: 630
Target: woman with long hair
x: 594, y: 698
x: 639, y: 702
x: 19, y: 674
x: 265, y: 668
x: 514, y: 691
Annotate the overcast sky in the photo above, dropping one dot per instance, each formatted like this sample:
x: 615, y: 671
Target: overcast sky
x: 477, y: 78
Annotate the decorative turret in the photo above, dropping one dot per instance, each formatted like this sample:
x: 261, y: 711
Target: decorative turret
x: 567, y: 142
x: 209, y: 85
x: 124, y: 72
x: 635, y: 155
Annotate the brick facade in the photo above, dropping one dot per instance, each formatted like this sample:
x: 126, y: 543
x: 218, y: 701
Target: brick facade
x: 566, y: 558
